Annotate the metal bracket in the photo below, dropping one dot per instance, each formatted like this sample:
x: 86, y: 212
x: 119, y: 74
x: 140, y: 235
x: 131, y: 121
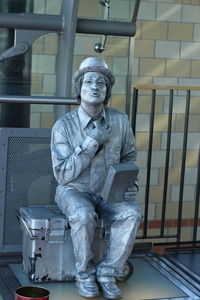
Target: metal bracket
x: 22, y: 43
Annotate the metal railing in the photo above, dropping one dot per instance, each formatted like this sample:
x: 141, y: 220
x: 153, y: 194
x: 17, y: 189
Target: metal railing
x: 178, y: 223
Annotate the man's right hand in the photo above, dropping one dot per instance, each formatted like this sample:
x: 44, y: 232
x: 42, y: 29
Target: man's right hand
x: 100, y: 131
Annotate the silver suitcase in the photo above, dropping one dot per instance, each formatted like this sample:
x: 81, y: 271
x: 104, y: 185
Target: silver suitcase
x: 47, y: 247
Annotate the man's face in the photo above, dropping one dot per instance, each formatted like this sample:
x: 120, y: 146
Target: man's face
x: 93, y: 90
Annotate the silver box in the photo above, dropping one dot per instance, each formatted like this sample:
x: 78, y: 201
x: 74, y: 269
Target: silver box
x: 47, y: 247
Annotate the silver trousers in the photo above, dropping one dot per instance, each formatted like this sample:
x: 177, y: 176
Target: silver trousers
x: 82, y: 210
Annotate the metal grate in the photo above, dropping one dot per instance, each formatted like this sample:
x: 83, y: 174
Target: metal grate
x: 29, y: 180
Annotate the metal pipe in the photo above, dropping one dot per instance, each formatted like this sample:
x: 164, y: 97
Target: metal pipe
x: 134, y: 109
x: 31, y: 21
x: 187, y: 111
x: 149, y: 161
x: 197, y: 200
x: 167, y: 163
x: 38, y: 100
x: 102, y: 27
x: 56, y: 24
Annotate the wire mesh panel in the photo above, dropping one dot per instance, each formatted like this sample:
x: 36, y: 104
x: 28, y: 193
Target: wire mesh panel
x: 28, y: 178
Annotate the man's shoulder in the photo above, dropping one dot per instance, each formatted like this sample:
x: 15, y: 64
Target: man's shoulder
x: 66, y: 118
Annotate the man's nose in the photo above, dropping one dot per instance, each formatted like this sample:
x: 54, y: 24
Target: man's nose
x: 95, y: 85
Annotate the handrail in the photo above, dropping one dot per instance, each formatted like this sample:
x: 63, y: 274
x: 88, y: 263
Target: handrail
x: 167, y: 87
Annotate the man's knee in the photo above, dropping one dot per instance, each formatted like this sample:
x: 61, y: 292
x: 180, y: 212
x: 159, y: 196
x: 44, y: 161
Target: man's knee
x: 83, y: 217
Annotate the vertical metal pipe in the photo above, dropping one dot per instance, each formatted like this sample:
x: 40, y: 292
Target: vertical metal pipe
x: 134, y: 109
x: 129, y: 77
x: 149, y: 162
x: 65, y: 53
x: 197, y: 200
x: 182, y: 177
x: 167, y: 162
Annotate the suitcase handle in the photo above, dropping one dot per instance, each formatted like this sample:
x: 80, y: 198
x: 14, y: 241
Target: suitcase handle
x: 29, y: 231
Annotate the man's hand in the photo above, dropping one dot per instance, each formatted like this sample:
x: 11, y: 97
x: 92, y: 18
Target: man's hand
x: 131, y: 193
x: 100, y: 131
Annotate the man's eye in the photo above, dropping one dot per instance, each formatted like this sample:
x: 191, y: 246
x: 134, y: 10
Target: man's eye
x: 87, y: 81
x: 101, y: 82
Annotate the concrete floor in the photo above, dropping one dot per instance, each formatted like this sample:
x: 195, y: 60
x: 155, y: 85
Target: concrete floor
x: 147, y: 282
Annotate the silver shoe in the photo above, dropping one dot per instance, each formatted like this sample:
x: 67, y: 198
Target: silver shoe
x: 87, y: 288
x: 109, y: 288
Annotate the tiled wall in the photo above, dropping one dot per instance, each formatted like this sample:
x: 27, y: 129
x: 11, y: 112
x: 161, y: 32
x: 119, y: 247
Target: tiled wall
x: 166, y: 52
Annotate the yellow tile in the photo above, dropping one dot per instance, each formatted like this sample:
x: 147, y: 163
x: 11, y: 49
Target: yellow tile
x: 177, y: 67
x: 154, y: 30
x: 152, y: 67
x: 144, y: 48
x: 180, y: 32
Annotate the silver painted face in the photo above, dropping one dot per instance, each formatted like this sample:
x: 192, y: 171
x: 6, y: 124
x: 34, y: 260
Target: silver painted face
x: 93, y: 90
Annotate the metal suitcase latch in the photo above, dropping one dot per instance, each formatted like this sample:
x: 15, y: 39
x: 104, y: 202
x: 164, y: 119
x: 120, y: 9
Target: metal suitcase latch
x: 56, y: 231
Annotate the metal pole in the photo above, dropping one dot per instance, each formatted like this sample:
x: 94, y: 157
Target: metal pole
x: 180, y: 206
x: 65, y: 53
x: 38, y: 100
x: 171, y: 96
x: 149, y: 161
x: 54, y: 23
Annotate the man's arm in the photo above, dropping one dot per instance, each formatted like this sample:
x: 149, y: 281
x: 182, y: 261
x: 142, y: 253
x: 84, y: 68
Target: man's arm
x: 129, y: 153
x: 67, y: 163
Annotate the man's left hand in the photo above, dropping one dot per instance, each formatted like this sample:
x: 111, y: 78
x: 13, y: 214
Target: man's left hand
x: 131, y: 193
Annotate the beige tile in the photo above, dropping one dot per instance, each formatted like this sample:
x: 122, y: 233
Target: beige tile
x: 51, y: 44
x: 47, y: 120
x: 152, y: 67
x: 195, y: 66
x: 143, y: 80
x: 194, y: 123
x: 89, y: 8
x: 156, y: 194
x: 145, y: 101
x: 118, y: 102
x: 195, y: 105
x: 144, y: 48
x: 154, y: 30
x: 117, y: 46
x: 161, y: 122
x: 177, y: 67
x: 37, y: 84
x: 38, y: 46
x: 180, y: 32
x: 138, y: 29
x: 142, y: 140
x: 191, y: 158
x: 174, y: 175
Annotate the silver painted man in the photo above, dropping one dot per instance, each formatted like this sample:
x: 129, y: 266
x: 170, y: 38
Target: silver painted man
x: 85, y: 142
